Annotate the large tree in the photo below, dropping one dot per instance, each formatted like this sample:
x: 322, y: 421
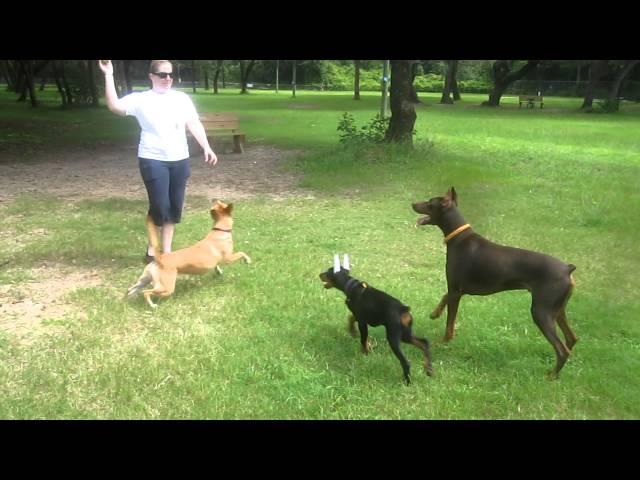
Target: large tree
x: 623, y: 69
x: 219, y: 69
x: 403, y: 112
x: 597, y: 70
x: 503, y: 76
x: 245, y: 71
x: 449, y: 82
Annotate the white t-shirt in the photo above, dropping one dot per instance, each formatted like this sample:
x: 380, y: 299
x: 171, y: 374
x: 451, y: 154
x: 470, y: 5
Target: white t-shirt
x: 162, y: 118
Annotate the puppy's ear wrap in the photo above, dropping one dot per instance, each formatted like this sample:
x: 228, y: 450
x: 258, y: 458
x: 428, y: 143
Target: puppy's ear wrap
x: 345, y: 262
x: 336, y: 263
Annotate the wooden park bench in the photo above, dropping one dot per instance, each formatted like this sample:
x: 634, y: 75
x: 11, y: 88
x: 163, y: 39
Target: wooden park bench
x: 530, y: 100
x: 218, y: 124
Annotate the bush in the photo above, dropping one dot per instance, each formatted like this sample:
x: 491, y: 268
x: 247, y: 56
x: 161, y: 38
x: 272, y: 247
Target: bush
x: 373, y: 132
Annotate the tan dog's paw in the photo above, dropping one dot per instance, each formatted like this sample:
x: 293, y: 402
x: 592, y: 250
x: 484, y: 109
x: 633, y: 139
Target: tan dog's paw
x: 247, y: 259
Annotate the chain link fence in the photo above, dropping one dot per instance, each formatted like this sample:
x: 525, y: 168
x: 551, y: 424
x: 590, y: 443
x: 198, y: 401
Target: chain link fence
x: 629, y: 90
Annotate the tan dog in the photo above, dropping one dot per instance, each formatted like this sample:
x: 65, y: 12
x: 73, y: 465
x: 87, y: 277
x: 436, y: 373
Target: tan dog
x: 215, y: 248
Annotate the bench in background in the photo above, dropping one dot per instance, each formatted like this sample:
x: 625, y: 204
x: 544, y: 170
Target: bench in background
x: 530, y: 100
x: 224, y: 124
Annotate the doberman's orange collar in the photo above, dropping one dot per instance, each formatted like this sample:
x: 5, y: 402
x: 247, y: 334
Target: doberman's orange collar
x: 456, y: 232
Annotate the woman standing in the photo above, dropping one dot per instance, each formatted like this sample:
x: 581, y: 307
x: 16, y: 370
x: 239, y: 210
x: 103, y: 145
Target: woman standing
x: 163, y: 153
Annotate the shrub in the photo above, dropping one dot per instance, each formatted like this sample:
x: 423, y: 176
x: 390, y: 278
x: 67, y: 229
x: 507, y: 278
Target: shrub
x: 373, y: 132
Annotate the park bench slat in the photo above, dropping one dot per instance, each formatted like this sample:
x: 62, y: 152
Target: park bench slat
x: 217, y: 124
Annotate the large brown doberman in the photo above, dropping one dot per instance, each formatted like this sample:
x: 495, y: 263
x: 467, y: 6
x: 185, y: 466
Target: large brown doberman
x: 476, y: 266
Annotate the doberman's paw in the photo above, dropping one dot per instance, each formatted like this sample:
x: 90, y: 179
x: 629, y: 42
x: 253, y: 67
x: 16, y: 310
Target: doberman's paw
x: 428, y: 370
x: 435, y: 314
x: 407, y: 380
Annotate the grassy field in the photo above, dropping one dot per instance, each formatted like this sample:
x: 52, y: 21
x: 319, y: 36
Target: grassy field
x: 266, y: 341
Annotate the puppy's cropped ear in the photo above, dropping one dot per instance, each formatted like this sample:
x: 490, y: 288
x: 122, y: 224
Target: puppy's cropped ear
x: 454, y: 196
x: 345, y: 262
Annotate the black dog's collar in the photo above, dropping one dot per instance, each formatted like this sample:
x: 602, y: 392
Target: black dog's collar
x: 221, y: 229
x: 351, y: 284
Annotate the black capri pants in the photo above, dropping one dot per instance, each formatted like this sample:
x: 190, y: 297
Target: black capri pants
x: 166, y: 183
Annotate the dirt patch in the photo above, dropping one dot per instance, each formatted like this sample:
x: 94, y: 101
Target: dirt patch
x: 23, y: 307
x: 107, y: 171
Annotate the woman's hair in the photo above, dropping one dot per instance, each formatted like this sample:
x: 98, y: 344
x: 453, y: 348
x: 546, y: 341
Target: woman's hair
x: 154, y: 64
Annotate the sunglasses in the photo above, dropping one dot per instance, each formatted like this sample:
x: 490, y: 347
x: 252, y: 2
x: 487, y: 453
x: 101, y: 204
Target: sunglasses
x: 163, y: 75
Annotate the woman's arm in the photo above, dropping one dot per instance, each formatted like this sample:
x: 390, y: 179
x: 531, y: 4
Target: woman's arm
x: 113, y: 103
x: 197, y: 130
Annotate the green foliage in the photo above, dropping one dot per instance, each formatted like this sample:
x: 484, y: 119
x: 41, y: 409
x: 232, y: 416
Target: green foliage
x: 372, y: 132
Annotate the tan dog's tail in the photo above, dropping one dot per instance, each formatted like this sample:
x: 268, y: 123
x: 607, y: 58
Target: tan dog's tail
x: 152, y: 232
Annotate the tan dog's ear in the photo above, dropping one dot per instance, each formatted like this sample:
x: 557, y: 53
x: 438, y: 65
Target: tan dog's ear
x: 229, y: 208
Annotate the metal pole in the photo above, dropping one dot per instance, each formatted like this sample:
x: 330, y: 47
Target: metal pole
x: 385, y: 89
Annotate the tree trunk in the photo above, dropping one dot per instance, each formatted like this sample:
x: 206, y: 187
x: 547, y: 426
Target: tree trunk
x: 215, y: 76
x: 26, y: 68
x: 356, y: 80
x: 65, y: 85
x: 193, y: 75
x: 8, y: 71
x: 597, y: 70
x: 614, y: 91
x: 92, y: 84
x: 414, y: 73
x: 58, y: 79
x: 403, y: 112
x: 503, y: 77
x: 446, y: 91
x: 245, y: 71
x: 293, y: 81
x: 454, y: 81
x: 206, y: 78
x: 126, y: 64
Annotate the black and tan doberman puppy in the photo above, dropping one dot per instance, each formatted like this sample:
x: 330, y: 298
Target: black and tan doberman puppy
x: 370, y: 306
x: 200, y: 258
x: 476, y: 266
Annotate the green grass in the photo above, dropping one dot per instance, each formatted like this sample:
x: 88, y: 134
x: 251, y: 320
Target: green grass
x: 267, y: 341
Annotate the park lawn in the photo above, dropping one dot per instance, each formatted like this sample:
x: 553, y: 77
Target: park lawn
x: 267, y: 341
